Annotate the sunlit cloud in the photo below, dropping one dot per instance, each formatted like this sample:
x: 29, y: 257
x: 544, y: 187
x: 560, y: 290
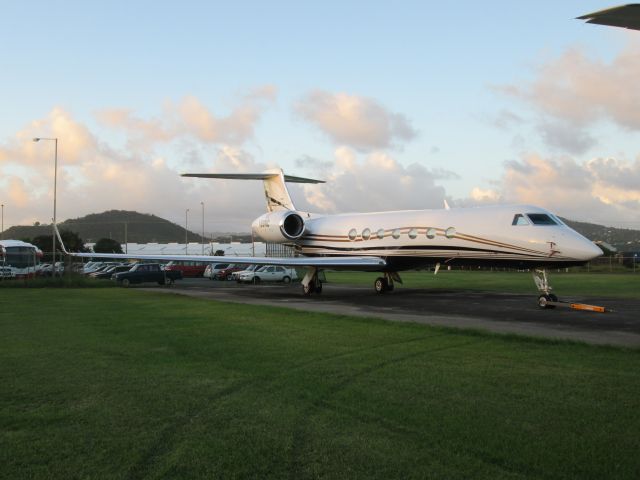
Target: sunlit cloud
x: 357, y: 122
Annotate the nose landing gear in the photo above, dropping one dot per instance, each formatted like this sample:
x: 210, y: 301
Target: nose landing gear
x: 546, y: 298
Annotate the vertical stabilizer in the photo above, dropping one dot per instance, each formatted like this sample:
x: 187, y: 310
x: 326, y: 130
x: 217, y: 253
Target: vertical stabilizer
x: 276, y: 192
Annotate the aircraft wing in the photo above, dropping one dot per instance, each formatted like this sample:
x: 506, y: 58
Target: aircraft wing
x: 337, y: 263
x: 346, y: 263
x: 626, y: 16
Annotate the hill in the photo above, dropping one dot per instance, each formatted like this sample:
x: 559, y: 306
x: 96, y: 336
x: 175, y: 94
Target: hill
x: 624, y: 239
x: 115, y: 224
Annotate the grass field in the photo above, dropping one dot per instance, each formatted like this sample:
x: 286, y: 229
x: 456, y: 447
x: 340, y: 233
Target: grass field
x: 625, y: 285
x: 114, y: 383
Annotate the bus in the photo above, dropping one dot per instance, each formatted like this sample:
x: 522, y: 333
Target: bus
x: 19, y: 259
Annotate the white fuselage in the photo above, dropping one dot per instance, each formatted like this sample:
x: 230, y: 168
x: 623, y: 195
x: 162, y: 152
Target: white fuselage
x: 462, y: 236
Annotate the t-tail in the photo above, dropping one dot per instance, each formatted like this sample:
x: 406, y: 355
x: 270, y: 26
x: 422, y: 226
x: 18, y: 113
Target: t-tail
x: 275, y: 188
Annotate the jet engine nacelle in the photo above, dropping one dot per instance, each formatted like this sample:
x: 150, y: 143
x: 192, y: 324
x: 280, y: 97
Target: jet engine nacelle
x: 279, y: 227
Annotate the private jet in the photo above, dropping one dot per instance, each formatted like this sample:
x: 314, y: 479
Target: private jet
x: 520, y: 236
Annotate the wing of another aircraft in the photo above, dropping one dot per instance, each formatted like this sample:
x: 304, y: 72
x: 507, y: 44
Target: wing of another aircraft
x: 625, y: 16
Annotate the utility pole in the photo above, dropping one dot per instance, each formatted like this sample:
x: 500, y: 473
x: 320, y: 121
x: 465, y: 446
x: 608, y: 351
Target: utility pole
x: 55, y: 186
x: 202, y: 237
x: 186, y: 232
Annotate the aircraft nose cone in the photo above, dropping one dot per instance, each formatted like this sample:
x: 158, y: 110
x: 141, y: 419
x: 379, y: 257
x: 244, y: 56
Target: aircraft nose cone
x: 592, y: 251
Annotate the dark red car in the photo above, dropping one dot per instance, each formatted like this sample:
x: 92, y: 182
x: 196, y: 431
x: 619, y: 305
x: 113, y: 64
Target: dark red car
x: 225, y: 274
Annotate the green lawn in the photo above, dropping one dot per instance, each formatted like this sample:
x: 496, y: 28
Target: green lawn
x: 625, y: 285
x: 114, y: 383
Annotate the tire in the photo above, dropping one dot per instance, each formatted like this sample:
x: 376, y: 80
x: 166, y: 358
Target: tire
x: 318, y: 288
x: 307, y: 289
x: 256, y: 280
x: 126, y: 283
x: 286, y: 280
x: 170, y: 281
x: 160, y: 282
x: 543, y: 301
x: 381, y: 285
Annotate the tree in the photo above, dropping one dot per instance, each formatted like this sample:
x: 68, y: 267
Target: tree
x: 72, y: 242
x: 107, y: 245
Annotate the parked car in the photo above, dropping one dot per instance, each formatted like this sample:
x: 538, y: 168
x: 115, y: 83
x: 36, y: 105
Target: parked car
x: 225, y: 274
x: 250, y: 268
x: 212, y: 270
x: 147, y: 272
x: 7, y: 272
x: 269, y: 273
x: 113, y: 269
x: 187, y: 267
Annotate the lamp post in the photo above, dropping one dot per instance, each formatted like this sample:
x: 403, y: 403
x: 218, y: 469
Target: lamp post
x: 186, y: 232
x: 55, y: 186
x: 202, y: 237
x: 635, y: 259
x: 2, y: 231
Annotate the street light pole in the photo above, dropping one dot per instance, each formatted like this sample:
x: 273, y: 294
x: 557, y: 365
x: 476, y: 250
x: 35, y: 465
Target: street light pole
x: 55, y: 196
x: 202, y: 237
x: 2, y: 231
x: 186, y: 232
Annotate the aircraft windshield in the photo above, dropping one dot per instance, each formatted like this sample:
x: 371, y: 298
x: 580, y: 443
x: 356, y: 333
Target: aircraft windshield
x: 541, y: 219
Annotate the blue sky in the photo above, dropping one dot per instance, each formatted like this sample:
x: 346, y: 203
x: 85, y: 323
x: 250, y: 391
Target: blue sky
x: 483, y: 98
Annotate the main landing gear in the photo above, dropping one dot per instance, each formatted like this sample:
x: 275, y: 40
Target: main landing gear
x: 385, y: 284
x: 546, y: 298
x: 311, y: 283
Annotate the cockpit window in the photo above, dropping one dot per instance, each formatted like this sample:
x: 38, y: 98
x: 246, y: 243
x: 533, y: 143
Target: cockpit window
x: 541, y: 219
x: 519, y: 219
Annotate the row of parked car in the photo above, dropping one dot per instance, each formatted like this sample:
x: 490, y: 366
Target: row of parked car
x: 250, y: 273
x: 126, y: 274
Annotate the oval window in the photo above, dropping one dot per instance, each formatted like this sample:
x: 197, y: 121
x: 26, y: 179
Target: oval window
x: 396, y: 233
x: 366, y: 234
x: 353, y: 233
x: 381, y: 233
x: 413, y: 233
x: 431, y: 233
x: 450, y: 232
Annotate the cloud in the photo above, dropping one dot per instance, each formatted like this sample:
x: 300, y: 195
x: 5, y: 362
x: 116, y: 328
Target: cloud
x: 191, y: 117
x: 372, y: 182
x: 605, y: 191
x: 581, y: 90
x: 95, y: 176
x: 565, y: 137
x: 357, y: 122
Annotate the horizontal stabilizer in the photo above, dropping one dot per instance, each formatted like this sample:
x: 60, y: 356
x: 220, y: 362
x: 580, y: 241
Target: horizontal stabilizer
x: 252, y: 176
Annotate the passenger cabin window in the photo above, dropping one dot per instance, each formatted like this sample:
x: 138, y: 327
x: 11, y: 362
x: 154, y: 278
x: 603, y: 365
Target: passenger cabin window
x: 519, y: 219
x: 541, y: 219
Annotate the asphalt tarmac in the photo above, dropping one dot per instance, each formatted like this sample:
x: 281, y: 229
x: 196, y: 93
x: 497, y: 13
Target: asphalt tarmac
x: 495, y: 312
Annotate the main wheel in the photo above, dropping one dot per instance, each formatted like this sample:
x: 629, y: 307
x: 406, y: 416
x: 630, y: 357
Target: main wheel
x: 126, y: 282
x: 319, y: 288
x: 286, y: 279
x: 308, y: 289
x: 256, y: 280
x: 543, y: 301
x: 381, y: 285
